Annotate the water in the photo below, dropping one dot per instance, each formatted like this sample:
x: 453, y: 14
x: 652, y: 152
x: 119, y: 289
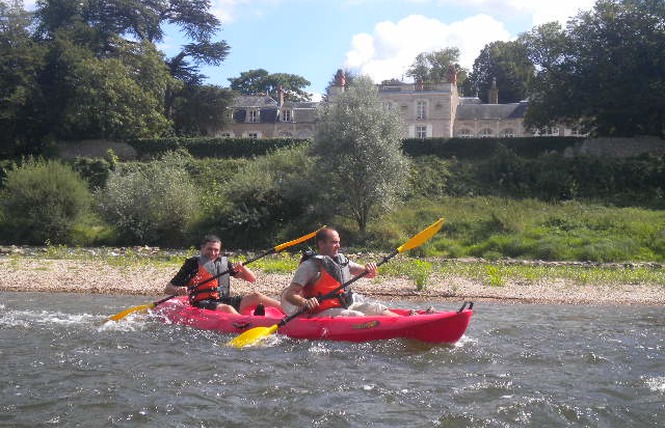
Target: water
x: 518, y: 365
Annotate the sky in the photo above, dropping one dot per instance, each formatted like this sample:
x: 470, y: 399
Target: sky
x: 377, y: 38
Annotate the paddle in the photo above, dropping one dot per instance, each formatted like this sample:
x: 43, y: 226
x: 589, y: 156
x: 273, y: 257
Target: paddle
x: 275, y: 249
x: 255, y: 334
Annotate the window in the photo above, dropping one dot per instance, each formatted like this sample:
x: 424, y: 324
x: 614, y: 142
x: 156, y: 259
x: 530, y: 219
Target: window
x: 421, y: 131
x: 508, y: 133
x: 388, y: 105
x: 547, y: 132
x: 485, y: 133
x: 226, y: 135
x: 253, y: 135
x: 421, y: 110
x: 287, y: 115
x: 253, y: 116
x: 465, y: 133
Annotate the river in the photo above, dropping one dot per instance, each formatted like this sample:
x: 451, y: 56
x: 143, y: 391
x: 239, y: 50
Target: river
x: 517, y: 366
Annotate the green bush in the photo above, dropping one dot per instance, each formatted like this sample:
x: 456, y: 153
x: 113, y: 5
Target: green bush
x: 42, y: 201
x: 150, y: 203
x: 266, y: 200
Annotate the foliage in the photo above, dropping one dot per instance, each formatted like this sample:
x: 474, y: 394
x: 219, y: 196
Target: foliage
x: 199, y: 110
x: 429, y: 177
x: 508, y: 64
x: 21, y: 60
x: 42, y: 200
x: 267, y: 197
x: 259, y: 81
x: 436, y: 67
x: 207, y: 147
x: 497, y: 228
x: 96, y: 22
x: 85, y: 70
x: 118, y: 97
x: 151, y: 203
x: 604, y: 72
x: 358, y: 147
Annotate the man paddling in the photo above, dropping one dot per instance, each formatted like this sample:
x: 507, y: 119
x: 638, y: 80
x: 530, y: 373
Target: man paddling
x: 324, y: 272
x: 199, y: 277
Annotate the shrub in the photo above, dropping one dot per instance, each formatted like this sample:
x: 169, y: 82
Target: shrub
x: 151, y: 203
x: 42, y: 200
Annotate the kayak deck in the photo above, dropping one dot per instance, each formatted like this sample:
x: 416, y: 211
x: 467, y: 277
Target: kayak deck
x: 437, y: 327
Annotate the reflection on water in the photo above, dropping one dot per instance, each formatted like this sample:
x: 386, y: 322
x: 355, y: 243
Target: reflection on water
x: 518, y: 365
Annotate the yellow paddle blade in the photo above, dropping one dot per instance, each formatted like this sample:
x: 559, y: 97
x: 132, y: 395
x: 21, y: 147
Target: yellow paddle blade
x: 252, y: 336
x: 121, y: 315
x: 285, y: 245
x: 421, y: 237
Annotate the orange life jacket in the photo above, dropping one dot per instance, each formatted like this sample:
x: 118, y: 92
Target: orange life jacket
x: 212, y: 289
x: 205, y: 291
x: 326, y: 283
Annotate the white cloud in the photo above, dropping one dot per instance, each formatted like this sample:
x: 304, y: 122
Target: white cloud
x: 392, y: 47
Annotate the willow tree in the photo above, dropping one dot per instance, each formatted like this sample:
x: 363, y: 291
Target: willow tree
x: 360, y: 165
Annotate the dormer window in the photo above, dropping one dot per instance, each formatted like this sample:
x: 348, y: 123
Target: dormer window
x: 287, y: 115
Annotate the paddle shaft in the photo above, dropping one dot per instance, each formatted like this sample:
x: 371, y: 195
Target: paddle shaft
x: 334, y: 293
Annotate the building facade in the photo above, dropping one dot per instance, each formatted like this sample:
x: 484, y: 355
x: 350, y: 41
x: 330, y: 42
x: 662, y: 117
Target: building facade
x: 428, y: 111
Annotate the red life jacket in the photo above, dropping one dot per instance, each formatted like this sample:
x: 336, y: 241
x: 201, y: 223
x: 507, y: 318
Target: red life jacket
x: 326, y: 282
x: 207, y: 291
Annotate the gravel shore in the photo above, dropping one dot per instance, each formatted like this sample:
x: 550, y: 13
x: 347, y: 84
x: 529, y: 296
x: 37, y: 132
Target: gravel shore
x: 77, y: 276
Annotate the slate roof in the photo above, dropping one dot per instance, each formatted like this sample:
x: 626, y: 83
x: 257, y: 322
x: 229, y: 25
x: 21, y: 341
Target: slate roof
x: 471, y: 111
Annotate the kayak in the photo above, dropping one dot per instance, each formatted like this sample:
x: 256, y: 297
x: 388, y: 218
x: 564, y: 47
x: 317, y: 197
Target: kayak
x: 436, y: 327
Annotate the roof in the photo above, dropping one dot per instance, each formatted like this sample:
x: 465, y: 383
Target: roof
x: 253, y: 101
x: 469, y: 111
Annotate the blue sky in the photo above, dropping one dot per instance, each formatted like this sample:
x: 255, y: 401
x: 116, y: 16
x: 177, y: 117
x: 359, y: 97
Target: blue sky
x: 378, y: 38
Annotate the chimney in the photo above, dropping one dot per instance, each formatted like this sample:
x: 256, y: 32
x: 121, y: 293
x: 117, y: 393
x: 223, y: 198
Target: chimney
x: 493, y: 96
x: 280, y: 95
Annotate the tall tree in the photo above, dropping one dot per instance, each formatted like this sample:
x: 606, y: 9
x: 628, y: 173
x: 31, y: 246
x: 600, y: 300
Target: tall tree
x: 605, y: 72
x: 435, y: 66
x: 259, y: 81
x: 99, y: 21
x: 509, y: 64
x: 21, y: 60
x: 358, y: 147
x: 201, y: 109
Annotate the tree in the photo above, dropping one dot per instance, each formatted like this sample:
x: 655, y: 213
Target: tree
x: 199, y: 110
x: 605, y: 72
x: 21, y: 60
x: 96, y: 22
x: 358, y: 147
x: 509, y: 64
x: 130, y: 90
x: 259, y: 81
x: 435, y: 66
x: 117, y: 97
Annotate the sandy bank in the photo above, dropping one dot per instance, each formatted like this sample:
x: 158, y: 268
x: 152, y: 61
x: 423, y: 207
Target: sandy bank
x: 49, y: 275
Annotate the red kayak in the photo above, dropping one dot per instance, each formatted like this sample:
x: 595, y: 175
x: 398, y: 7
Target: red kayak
x: 437, y: 327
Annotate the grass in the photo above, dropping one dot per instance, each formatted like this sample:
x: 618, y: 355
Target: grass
x: 585, y: 243
x: 497, y: 228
